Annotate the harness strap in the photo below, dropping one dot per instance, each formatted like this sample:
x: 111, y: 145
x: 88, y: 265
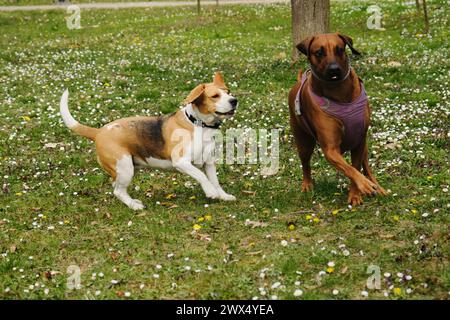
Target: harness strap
x: 351, y: 114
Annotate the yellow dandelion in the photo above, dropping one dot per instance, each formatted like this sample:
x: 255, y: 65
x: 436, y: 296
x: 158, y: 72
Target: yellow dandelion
x: 291, y: 227
x: 397, y: 291
x: 192, y: 198
x: 26, y: 118
x: 330, y: 270
x: 19, y: 194
x: 201, y: 219
x: 396, y: 218
x: 316, y: 220
x: 335, y: 212
x: 197, y: 227
x: 208, y: 217
x: 308, y: 217
x: 414, y: 211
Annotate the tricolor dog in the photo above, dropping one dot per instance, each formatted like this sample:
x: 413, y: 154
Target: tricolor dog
x: 329, y: 106
x: 183, y: 140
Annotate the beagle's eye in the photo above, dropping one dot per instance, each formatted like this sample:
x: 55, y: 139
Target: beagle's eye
x: 216, y: 96
x: 339, y: 50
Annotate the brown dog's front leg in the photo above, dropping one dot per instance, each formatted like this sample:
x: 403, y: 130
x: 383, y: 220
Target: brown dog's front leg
x: 354, y: 196
x: 364, y: 185
x: 368, y: 172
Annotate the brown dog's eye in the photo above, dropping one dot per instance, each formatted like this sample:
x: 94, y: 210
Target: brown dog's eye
x: 339, y: 50
x: 319, y: 54
x: 216, y: 96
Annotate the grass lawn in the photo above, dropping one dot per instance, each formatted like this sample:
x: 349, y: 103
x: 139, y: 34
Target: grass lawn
x: 48, y: 2
x: 56, y: 206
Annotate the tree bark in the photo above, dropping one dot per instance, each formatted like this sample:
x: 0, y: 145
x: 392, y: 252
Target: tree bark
x: 198, y: 7
x: 309, y: 17
x: 425, y: 16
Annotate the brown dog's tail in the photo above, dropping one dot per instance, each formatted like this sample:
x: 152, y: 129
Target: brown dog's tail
x: 299, y: 75
x: 73, y: 124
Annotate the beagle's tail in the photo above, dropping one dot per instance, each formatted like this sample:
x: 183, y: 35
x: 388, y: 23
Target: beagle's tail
x: 73, y: 124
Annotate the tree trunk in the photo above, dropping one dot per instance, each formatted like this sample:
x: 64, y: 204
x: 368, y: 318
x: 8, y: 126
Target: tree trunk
x: 309, y: 17
x: 418, y: 5
x: 198, y: 7
x: 425, y: 16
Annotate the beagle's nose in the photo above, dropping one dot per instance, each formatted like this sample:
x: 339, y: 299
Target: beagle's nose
x: 233, y: 102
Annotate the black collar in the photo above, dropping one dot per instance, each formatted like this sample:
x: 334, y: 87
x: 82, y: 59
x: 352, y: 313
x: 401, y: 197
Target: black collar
x: 198, y: 122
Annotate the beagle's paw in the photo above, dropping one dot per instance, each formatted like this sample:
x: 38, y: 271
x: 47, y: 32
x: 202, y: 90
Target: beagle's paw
x: 135, y: 204
x: 227, y: 197
x: 211, y: 192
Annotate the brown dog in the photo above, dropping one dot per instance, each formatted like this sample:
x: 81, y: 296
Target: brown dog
x: 329, y: 105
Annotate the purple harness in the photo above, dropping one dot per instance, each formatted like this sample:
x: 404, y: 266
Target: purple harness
x: 351, y: 114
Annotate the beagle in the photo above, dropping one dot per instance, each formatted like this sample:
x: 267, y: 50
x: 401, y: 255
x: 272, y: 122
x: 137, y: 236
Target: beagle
x: 183, y: 140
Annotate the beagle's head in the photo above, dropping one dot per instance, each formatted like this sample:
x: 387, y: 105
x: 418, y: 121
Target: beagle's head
x: 212, y: 101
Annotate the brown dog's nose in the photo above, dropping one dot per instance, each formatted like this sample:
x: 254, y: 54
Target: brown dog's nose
x: 334, y: 72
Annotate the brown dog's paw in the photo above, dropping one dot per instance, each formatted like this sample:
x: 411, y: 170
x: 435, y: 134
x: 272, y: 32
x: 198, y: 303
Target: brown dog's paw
x: 366, y: 187
x: 381, y: 191
x: 307, y: 186
x: 354, y: 199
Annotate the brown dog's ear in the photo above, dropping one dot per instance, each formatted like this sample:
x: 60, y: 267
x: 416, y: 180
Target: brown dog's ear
x: 348, y: 41
x: 219, y: 82
x: 304, y: 46
x: 196, y: 93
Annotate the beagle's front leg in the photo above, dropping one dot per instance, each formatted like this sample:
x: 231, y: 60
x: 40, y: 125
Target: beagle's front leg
x: 185, y: 166
x: 211, y: 173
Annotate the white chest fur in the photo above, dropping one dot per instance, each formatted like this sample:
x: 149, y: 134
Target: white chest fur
x: 202, y: 145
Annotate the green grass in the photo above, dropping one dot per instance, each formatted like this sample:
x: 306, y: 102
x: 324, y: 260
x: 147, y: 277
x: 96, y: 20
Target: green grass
x: 48, y: 2
x: 56, y: 207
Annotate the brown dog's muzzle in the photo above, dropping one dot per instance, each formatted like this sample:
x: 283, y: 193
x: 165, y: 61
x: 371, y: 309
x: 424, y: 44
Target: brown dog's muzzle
x: 334, y: 72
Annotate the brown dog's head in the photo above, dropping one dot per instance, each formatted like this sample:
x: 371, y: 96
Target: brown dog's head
x: 326, y: 54
x: 213, y: 100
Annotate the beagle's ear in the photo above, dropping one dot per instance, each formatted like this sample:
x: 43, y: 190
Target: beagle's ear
x: 349, y: 42
x: 219, y: 82
x: 195, y: 94
x: 304, y: 46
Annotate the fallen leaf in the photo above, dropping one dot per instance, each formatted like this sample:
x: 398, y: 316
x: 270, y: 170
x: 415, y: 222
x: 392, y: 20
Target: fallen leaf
x: 249, y: 192
x: 253, y: 253
x: 394, y: 64
x: 255, y: 224
x: 51, y: 145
